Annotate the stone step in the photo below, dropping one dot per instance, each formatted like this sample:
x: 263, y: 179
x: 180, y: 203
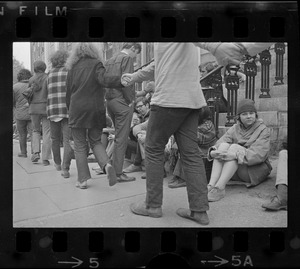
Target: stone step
x: 277, y: 102
x: 271, y: 104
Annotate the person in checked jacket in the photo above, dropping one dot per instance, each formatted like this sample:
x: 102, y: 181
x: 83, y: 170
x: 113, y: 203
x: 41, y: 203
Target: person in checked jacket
x: 57, y: 111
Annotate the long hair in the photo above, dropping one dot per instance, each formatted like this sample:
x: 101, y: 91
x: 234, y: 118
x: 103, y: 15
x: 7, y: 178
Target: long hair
x: 59, y: 58
x: 84, y: 50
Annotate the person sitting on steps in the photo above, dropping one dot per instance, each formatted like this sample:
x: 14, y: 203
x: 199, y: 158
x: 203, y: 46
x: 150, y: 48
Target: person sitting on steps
x: 241, y: 153
x: 279, y: 201
x: 143, y: 107
x: 206, y: 136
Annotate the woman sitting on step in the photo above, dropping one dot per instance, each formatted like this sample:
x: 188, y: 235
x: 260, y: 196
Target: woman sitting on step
x: 241, y: 153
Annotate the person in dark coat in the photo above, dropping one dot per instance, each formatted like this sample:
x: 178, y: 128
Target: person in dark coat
x: 120, y: 105
x: 21, y: 106
x: 87, y: 112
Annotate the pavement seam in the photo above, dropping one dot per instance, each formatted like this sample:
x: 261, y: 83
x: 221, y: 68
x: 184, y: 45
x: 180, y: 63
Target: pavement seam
x: 51, y: 200
x: 71, y: 211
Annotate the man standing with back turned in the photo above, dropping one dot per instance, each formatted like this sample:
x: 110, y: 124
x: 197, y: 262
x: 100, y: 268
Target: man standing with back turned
x: 175, y: 107
x: 120, y: 105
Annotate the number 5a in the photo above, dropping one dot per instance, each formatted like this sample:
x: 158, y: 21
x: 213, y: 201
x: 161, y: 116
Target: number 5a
x: 94, y: 263
x: 236, y: 261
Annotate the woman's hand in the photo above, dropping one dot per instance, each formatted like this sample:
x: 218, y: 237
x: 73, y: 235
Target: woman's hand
x: 215, y: 154
x: 227, y: 156
x: 141, y: 137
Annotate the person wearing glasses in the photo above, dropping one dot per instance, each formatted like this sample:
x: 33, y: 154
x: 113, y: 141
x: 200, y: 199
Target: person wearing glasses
x: 143, y: 108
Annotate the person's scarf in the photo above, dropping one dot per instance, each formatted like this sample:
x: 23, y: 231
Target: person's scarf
x: 247, y: 136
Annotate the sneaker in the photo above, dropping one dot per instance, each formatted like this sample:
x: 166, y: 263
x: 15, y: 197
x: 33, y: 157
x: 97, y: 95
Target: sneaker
x: 216, y: 194
x: 124, y: 178
x: 199, y: 217
x: 275, y: 204
x: 65, y: 174
x: 111, y: 174
x: 35, y: 157
x: 46, y: 162
x: 132, y: 168
x: 58, y: 167
x: 99, y: 171
x: 81, y: 185
x: 23, y: 155
x: 143, y: 210
x: 96, y: 168
x: 173, y: 180
x: 177, y: 183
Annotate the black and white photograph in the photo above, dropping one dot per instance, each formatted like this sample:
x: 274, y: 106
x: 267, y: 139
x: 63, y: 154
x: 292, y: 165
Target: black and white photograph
x: 150, y: 134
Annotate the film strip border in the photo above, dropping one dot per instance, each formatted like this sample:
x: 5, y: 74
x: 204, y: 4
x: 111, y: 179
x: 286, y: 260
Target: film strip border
x: 173, y: 21
x: 235, y: 248
x: 147, y: 21
x: 133, y: 27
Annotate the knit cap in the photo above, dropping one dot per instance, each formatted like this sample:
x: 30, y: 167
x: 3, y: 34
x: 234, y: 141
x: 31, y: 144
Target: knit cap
x: 245, y: 105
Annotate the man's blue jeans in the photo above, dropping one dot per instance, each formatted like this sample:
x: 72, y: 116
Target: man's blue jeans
x: 182, y: 122
x: 57, y: 129
x: 80, y: 136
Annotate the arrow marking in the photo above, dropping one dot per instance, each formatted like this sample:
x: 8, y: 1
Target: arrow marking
x: 220, y: 261
x: 76, y: 263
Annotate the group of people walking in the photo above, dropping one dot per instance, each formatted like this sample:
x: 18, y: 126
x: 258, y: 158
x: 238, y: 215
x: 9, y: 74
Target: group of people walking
x: 80, y: 90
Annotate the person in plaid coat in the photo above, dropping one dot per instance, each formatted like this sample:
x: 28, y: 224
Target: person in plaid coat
x: 57, y: 111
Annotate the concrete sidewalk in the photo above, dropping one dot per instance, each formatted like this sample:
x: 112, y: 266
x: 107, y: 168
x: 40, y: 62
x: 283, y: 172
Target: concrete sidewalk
x: 43, y: 198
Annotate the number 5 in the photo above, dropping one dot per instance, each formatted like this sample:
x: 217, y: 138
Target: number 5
x: 236, y: 261
x: 95, y: 263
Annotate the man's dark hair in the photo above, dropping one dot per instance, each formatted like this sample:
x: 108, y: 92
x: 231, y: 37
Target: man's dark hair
x: 142, y: 99
x: 24, y: 74
x: 205, y: 114
x: 136, y: 46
